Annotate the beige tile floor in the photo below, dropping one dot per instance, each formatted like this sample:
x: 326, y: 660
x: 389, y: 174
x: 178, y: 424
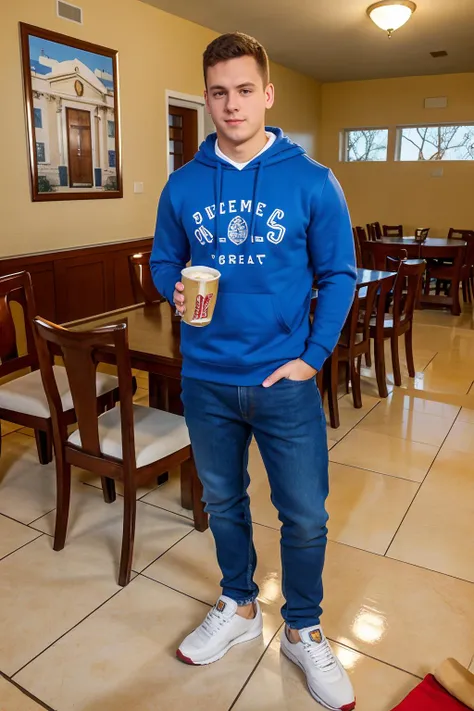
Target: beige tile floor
x: 399, y: 578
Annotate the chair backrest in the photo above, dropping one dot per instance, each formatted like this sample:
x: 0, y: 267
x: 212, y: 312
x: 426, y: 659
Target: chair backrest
x: 392, y: 263
x: 469, y: 253
x: 142, y: 280
x: 16, y: 288
x: 458, y: 234
x: 358, y: 251
x: 393, y: 230
x: 374, y: 254
x: 407, y: 289
x: 81, y: 355
x: 361, y: 233
x: 374, y: 231
x: 358, y: 320
x: 421, y: 233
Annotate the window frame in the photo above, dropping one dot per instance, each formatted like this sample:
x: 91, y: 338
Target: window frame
x: 344, y: 143
x: 43, y: 143
x: 40, y: 114
x: 399, y: 135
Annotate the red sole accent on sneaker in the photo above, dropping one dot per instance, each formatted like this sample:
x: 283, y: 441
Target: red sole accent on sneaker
x: 185, y: 660
x: 349, y: 707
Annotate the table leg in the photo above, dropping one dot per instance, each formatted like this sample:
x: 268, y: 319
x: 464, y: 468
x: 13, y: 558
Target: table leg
x: 158, y: 398
x: 456, y: 306
x: 332, y: 374
x: 157, y: 392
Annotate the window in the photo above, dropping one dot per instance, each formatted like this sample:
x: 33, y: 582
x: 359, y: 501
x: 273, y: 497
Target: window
x: 112, y: 159
x: 365, y: 144
x: 38, y: 118
x: 111, y: 129
x: 40, y: 153
x: 444, y: 142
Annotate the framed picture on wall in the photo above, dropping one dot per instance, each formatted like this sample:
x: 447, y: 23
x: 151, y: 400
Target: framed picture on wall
x: 72, y: 114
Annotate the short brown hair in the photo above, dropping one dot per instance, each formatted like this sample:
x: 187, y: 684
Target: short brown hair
x: 236, y: 44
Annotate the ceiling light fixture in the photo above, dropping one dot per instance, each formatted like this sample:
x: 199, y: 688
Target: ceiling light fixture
x: 390, y: 15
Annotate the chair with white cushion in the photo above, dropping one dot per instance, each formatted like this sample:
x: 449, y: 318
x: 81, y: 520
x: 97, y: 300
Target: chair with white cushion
x: 131, y: 443
x: 23, y: 399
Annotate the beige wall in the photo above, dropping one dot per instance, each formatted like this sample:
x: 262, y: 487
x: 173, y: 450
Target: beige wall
x: 297, y: 107
x: 158, y: 51
x: 400, y: 192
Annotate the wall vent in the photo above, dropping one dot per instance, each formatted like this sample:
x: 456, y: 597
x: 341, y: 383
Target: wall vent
x: 437, y: 102
x: 69, y: 12
x: 441, y: 53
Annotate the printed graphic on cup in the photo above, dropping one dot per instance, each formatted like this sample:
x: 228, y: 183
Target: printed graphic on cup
x: 201, y: 285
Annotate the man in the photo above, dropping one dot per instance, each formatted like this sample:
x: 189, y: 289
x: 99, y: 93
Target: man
x: 253, y: 205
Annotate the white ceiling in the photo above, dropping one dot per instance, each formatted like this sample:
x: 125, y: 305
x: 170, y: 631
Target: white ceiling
x: 334, y: 40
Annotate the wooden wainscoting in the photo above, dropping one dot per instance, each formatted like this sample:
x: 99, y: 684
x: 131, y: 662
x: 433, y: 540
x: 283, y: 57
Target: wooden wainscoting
x: 80, y: 282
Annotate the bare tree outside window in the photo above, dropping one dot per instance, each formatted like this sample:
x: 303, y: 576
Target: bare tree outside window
x: 429, y: 143
x: 368, y: 144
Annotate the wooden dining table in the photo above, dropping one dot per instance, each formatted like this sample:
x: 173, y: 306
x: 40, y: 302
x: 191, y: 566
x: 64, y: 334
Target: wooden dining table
x: 414, y: 245
x: 439, y: 248
x: 154, y: 342
x: 368, y: 276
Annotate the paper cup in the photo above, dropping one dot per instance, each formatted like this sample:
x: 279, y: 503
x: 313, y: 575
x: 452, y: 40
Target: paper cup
x: 201, y: 285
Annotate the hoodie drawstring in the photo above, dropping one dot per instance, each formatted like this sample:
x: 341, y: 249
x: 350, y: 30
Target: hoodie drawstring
x: 256, y: 187
x: 218, y: 194
x: 219, y: 178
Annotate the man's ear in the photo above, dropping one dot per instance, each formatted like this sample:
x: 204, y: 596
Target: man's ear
x: 269, y: 96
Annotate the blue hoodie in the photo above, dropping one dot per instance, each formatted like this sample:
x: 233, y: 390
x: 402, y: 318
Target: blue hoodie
x: 269, y: 229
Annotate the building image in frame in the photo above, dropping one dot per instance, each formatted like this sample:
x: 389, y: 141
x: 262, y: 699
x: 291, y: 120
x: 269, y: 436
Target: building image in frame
x: 72, y: 116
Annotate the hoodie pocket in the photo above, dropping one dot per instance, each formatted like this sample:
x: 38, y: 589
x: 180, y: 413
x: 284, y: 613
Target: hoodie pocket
x: 245, y: 329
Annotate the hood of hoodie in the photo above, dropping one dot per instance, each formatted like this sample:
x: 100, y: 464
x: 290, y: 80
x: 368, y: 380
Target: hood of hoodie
x: 282, y: 149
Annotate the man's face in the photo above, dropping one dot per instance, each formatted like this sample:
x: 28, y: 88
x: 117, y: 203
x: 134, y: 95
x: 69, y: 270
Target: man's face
x: 237, y: 99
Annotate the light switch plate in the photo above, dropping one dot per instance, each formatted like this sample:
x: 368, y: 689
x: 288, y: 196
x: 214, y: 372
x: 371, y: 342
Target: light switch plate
x: 138, y: 187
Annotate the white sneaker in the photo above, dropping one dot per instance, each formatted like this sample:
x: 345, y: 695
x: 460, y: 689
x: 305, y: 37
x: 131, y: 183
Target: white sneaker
x: 222, y: 629
x: 327, y: 679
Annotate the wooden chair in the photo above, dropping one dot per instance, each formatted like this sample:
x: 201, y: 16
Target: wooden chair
x: 374, y: 254
x: 421, y: 233
x: 354, y: 342
x: 23, y: 400
x: 393, y: 230
x: 362, y: 234
x: 145, y: 290
x: 448, y: 274
x: 400, y: 322
x: 467, y: 282
x: 131, y: 443
x: 374, y: 231
x: 458, y: 234
x: 458, y: 271
x: 142, y: 280
x: 452, y: 234
x: 467, y: 275
x: 358, y: 251
x: 392, y: 263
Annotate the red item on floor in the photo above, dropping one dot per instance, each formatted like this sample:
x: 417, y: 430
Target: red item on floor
x: 430, y: 696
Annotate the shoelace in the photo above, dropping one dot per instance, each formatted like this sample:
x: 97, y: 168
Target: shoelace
x: 322, y: 655
x: 213, y: 622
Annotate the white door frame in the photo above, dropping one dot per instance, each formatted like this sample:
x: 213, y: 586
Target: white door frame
x: 187, y: 101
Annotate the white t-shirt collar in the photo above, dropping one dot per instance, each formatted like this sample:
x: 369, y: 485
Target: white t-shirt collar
x: 271, y: 138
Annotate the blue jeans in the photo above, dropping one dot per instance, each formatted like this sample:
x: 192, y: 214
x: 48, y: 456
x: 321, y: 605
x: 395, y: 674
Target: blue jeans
x: 288, y: 423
